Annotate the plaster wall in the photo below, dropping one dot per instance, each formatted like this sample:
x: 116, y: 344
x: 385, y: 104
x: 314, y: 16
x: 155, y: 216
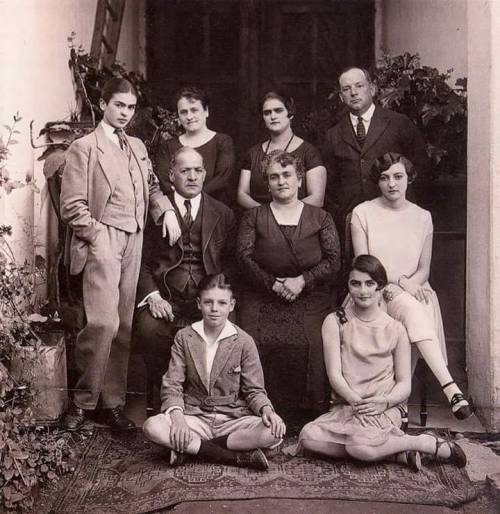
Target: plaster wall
x: 36, y: 81
x: 436, y: 29
x: 483, y: 219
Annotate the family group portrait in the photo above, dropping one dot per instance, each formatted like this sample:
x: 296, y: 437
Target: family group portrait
x: 249, y: 256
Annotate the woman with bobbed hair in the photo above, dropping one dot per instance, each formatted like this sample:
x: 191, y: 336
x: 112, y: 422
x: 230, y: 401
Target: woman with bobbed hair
x: 399, y: 233
x: 289, y: 254
x: 278, y: 110
x: 217, y: 149
x: 367, y: 357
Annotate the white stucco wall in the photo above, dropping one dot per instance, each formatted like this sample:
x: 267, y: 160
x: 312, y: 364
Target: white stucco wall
x: 483, y: 220
x: 436, y: 29
x: 35, y: 80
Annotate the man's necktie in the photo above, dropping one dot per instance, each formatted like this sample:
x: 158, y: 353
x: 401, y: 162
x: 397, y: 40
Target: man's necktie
x: 122, y: 139
x: 360, y: 131
x: 188, y: 219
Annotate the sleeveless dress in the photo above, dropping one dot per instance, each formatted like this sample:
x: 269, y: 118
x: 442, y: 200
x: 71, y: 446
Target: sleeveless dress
x: 366, y: 349
x: 397, y: 238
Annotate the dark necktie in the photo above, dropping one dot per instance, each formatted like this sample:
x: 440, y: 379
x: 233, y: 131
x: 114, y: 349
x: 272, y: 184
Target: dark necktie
x: 360, y: 131
x: 188, y: 219
x: 122, y: 139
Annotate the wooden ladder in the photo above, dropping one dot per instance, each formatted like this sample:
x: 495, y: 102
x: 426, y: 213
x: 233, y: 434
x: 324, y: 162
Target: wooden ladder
x: 107, y: 26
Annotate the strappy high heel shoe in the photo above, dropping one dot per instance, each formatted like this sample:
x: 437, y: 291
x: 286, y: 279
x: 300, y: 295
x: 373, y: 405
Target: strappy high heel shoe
x: 462, y: 411
x: 457, y: 455
x: 410, y: 458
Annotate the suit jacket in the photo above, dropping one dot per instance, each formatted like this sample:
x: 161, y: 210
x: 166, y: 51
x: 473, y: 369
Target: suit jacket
x: 349, y: 164
x: 236, y: 383
x: 218, y: 235
x: 88, y: 181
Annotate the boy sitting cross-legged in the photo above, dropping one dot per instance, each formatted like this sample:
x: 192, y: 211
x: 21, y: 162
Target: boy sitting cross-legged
x: 214, y: 404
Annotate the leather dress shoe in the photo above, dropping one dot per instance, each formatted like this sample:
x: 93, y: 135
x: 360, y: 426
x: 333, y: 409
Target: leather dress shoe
x: 177, y: 458
x: 73, y: 418
x: 117, y: 420
x: 254, y: 459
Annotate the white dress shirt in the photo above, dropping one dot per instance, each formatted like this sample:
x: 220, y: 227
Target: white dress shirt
x: 367, y: 118
x: 110, y: 133
x: 195, y: 204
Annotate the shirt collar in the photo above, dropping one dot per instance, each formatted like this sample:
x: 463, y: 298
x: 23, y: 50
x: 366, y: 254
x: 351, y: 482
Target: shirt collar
x: 367, y: 116
x: 179, y: 201
x: 228, y: 331
x: 108, y: 130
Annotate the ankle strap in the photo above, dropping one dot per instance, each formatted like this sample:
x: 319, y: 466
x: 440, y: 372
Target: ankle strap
x: 443, y: 387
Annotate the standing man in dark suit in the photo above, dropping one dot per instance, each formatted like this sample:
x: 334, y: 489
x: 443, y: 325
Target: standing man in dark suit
x: 366, y: 132
x: 106, y: 188
x: 170, y: 273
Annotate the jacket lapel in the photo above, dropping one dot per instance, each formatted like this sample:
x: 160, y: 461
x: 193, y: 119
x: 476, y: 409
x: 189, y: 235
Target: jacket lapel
x: 347, y: 133
x: 378, y: 124
x: 224, y: 350
x: 105, y: 157
x: 209, y: 220
x: 196, y: 348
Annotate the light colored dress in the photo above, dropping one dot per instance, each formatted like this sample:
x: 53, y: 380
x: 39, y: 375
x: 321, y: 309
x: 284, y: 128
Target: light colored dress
x: 366, y: 352
x: 397, y: 238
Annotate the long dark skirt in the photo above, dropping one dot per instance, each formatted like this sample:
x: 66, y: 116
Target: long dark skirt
x: 288, y: 337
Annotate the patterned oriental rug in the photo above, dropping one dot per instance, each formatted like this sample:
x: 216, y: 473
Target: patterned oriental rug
x: 126, y: 473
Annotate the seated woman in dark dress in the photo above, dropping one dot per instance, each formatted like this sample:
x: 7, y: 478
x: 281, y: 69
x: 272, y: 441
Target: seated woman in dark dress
x: 289, y: 255
x: 278, y: 111
x: 216, y: 149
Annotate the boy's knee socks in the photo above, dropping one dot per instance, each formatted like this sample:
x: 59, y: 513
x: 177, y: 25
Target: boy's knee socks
x: 215, y: 453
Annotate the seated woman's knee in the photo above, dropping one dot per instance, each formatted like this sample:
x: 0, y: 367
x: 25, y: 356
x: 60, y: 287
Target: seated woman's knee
x: 365, y: 453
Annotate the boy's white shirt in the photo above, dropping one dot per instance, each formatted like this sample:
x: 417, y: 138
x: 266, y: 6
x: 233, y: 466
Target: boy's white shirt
x: 210, y: 348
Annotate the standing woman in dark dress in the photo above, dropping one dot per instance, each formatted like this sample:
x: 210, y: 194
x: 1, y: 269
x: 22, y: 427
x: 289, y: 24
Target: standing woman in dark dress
x: 216, y: 149
x: 278, y: 111
x: 289, y: 254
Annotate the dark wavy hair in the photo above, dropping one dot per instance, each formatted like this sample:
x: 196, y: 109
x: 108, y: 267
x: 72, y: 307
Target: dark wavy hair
x: 384, y: 162
x: 371, y: 266
x: 218, y: 280
x: 116, y: 85
x: 283, y: 158
x: 284, y: 98
x: 192, y: 93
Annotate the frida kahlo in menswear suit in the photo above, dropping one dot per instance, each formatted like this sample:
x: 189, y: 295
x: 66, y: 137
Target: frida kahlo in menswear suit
x: 107, y: 187
x: 170, y: 273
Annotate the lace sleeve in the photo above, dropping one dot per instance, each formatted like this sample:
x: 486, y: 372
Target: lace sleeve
x: 252, y: 272
x: 326, y: 270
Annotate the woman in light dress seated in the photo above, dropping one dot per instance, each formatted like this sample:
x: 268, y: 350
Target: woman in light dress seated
x: 367, y: 358
x: 399, y: 234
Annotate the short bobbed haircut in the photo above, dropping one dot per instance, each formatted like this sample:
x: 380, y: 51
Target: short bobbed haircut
x: 117, y: 85
x: 284, y: 159
x: 371, y: 266
x: 285, y: 99
x: 192, y: 93
x: 384, y: 162
x: 218, y: 280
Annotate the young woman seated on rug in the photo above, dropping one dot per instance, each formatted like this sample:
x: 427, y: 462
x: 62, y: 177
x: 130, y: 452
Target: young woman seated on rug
x: 367, y: 357
x: 214, y: 404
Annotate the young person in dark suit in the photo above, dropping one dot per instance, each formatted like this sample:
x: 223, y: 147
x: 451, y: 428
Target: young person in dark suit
x: 170, y: 273
x: 107, y: 187
x: 365, y: 133
x: 214, y: 404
